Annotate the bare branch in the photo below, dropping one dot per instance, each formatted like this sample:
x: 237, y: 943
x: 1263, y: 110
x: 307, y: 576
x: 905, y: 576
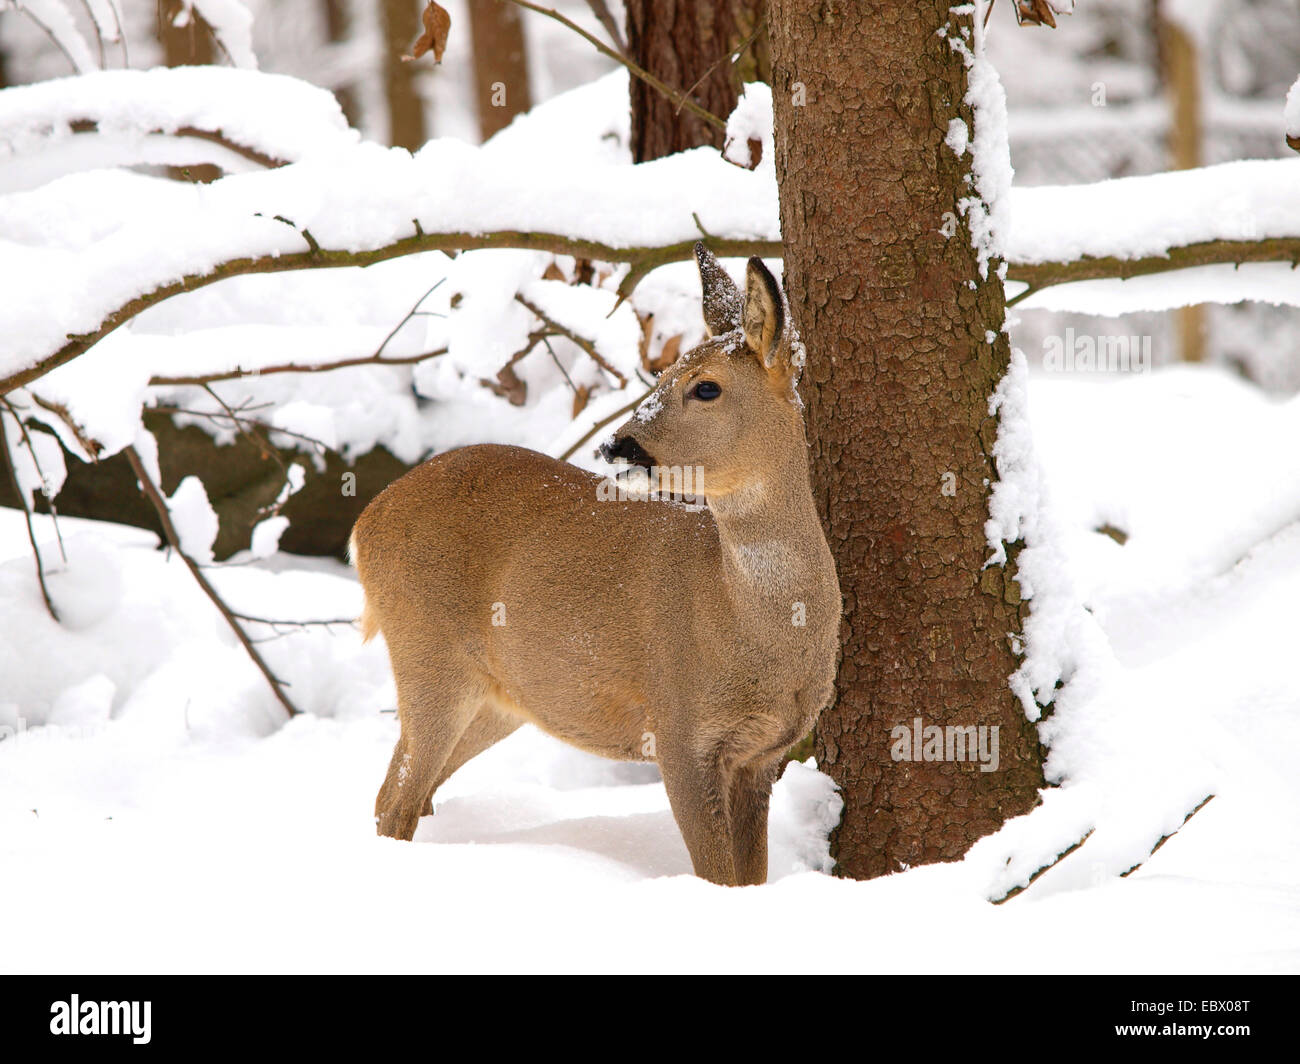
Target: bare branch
x: 290, y: 367
x: 607, y: 22
x: 213, y: 136
x: 644, y: 259
x: 152, y: 492
x: 603, y: 422
x: 641, y: 261
x: 27, y: 510
x: 555, y: 328
x: 237, y: 421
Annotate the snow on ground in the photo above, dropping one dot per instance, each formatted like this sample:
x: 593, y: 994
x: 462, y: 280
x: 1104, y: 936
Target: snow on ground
x: 156, y: 813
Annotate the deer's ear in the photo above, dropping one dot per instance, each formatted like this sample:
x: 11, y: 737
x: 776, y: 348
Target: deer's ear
x: 722, y: 301
x: 764, y: 314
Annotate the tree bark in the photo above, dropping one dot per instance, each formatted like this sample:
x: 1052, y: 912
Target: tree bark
x: 686, y: 44
x: 895, y: 318
x: 500, y: 64
x: 401, y: 25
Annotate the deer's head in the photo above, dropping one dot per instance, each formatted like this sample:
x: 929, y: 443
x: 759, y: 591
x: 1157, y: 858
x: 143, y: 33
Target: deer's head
x: 727, y: 406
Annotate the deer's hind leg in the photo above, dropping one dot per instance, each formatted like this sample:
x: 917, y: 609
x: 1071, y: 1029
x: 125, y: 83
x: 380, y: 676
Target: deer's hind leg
x: 488, y: 728
x: 748, y: 800
x: 436, y: 704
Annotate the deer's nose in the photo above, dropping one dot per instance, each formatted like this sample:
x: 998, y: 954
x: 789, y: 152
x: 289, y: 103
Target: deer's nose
x: 626, y: 449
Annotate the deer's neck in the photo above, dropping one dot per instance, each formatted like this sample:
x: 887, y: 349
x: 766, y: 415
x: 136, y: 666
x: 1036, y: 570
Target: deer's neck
x: 770, y: 534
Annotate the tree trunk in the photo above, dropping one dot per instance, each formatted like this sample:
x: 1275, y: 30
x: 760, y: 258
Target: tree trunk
x: 1179, y: 64
x: 500, y: 64
x: 338, y: 29
x: 686, y: 45
x: 401, y: 25
x: 895, y: 318
x: 188, y: 45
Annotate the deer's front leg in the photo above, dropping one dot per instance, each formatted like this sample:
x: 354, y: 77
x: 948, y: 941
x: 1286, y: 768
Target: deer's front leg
x: 748, y: 799
x: 697, y: 792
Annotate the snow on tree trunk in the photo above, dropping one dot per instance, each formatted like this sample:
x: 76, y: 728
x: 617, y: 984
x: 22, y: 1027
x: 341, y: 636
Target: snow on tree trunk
x: 890, y: 177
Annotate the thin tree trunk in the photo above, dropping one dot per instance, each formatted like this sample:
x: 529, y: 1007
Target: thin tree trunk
x: 188, y: 45
x: 406, y: 125
x: 338, y: 29
x: 500, y: 64
x: 1180, y: 72
x: 686, y: 44
x: 897, y: 323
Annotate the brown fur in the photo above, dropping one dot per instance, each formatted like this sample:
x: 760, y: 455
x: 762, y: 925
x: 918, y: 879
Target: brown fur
x: 634, y: 629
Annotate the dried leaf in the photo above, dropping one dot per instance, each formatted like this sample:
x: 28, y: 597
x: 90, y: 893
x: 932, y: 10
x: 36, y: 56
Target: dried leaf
x: 580, y: 398
x: 437, y: 24
x: 668, y: 355
x: 647, y: 330
x: 553, y: 272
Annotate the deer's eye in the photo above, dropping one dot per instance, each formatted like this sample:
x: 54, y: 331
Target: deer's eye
x: 706, y: 390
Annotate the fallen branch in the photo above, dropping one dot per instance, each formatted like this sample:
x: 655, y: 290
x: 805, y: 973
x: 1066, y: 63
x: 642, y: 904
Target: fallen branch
x: 154, y: 494
x: 1046, y: 868
x: 1165, y: 838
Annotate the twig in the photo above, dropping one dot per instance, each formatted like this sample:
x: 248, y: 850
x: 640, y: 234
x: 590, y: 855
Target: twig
x: 602, y: 423
x: 91, y: 446
x: 99, y: 37
x: 327, y: 622
x: 559, y: 365
x: 289, y: 367
x: 561, y: 330
x: 237, y: 418
x: 678, y: 98
x: 415, y: 309
x: 155, y: 497
x: 31, y: 449
x: 607, y: 22
x: 52, y: 36
x: 735, y: 53
x: 27, y: 512
x: 263, y: 445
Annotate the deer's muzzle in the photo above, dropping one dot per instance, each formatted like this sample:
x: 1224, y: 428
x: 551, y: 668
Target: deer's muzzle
x: 628, y: 450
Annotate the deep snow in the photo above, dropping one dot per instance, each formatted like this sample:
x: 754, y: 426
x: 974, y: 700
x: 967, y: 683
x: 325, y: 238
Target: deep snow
x: 166, y: 818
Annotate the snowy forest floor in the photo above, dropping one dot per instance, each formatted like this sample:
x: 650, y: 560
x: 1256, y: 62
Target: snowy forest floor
x: 157, y: 815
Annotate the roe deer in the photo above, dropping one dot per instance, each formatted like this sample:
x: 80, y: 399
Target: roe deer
x: 511, y: 588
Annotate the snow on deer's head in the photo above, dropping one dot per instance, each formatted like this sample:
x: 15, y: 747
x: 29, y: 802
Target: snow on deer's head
x: 727, y: 406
